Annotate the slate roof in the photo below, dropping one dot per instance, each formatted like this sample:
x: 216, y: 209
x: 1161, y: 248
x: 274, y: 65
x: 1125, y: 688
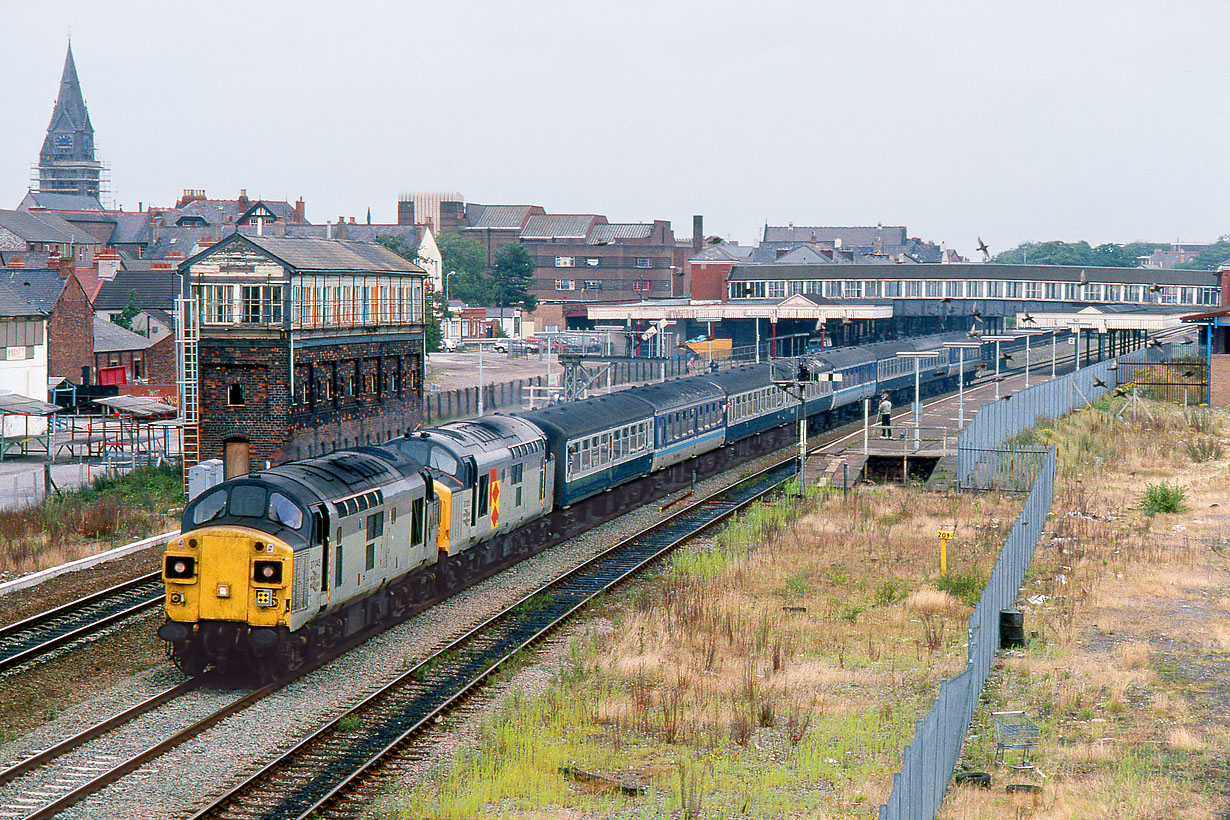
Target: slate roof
x: 892, y: 235
x: 306, y: 255
x: 12, y: 303
x: 499, y: 216
x: 180, y: 240
x: 60, y: 202
x: 724, y: 253
x: 154, y: 289
x: 559, y: 226
x: 44, y: 226
x: 130, y: 227
x: 40, y: 288
x: 611, y: 231
x: 354, y: 232
x: 111, y: 338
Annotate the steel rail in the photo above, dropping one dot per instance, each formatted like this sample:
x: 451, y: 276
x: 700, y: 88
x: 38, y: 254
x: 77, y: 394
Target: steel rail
x: 65, y: 746
x: 27, y: 639
x: 440, y: 682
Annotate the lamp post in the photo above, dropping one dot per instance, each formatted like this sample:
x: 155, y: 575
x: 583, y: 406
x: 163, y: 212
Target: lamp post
x: 997, y: 340
x: 917, y: 356
x: 961, y: 347
x: 448, y: 316
x: 1027, y: 334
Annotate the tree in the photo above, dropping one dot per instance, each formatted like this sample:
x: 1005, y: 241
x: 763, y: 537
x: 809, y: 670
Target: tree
x: 432, y: 332
x: 124, y: 318
x: 513, y: 274
x: 1211, y: 257
x: 468, y: 258
x: 1078, y: 254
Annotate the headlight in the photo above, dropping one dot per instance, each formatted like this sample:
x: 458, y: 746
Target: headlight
x: 267, y: 572
x: 179, y: 567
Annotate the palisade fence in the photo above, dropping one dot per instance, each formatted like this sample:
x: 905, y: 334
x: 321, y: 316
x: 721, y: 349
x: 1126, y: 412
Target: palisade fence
x: 984, y: 463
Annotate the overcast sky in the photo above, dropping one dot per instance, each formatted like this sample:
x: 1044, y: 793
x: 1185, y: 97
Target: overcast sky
x: 1104, y: 121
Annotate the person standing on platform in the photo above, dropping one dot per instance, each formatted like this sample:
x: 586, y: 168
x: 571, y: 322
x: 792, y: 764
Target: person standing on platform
x: 886, y: 416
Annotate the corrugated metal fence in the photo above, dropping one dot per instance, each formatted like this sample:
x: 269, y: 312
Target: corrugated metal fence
x: 928, y: 762
x: 986, y: 461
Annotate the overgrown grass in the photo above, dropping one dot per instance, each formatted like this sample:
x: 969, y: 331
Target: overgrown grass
x: 1114, y: 599
x: 775, y: 670
x: 72, y: 524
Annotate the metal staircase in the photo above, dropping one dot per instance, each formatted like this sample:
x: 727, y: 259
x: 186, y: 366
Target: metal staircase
x: 187, y: 339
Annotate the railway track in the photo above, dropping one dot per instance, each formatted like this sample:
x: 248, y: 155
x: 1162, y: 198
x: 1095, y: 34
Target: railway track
x: 27, y: 641
x: 316, y: 776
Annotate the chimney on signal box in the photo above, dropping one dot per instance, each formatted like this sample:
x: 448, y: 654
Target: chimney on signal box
x: 1223, y: 274
x: 698, y: 233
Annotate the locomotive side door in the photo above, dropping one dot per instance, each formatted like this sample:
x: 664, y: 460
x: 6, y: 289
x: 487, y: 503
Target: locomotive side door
x: 320, y: 566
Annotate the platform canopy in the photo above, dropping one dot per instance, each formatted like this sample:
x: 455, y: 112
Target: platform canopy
x: 19, y: 405
x: 137, y: 406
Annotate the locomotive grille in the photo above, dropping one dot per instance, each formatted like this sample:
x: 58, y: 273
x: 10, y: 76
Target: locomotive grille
x: 299, y: 589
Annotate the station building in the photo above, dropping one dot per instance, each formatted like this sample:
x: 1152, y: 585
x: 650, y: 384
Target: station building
x: 304, y: 346
x: 786, y: 305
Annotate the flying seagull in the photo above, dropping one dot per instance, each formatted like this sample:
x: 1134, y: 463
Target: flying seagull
x: 982, y: 246
x: 1154, y: 343
x: 981, y: 366
x: 1007, y: 357
x: 714, y: 240
x: 1155, y: 288
x: 947, y: 300
x: 1084, y: 280
x: 1098, y: 382
x: 973, y: 332
x: 1187, y: 374
x: 1120, y: 392
x: 1027, y: 317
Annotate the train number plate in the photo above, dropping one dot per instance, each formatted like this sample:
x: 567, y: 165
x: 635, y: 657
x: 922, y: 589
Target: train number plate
x: 264, y: 597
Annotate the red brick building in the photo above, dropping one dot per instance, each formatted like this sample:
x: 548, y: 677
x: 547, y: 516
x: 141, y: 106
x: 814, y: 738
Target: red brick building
x: 306, y: 346
x: 56, y: 291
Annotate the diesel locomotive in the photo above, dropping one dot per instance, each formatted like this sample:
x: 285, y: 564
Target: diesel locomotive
x: 280, y: 566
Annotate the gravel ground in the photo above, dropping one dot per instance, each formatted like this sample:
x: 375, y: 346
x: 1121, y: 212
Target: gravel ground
x: 171, y: 786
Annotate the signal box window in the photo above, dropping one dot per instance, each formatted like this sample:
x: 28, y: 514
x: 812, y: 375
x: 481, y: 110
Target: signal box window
x: 234, y: 395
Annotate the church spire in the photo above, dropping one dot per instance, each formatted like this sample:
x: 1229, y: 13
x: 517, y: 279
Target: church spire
x: 66, y: 162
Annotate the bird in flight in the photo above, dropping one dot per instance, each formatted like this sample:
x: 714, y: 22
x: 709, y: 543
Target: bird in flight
x: 1154, y: 343
x: 982, y: 246
x: 1155, y: 288
x: 1028, y: 318
x: 947, y: 300
x: 1120, y: 392
x: 976, y: 314
x: 973, y: 332
x: 1187, y: 374
x: 1098, y: 382
x: 1006, y: 356
x: 1084, y: 280
x: 714, y: 240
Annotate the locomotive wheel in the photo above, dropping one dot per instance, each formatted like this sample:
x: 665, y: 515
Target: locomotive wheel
x: 189, y: 659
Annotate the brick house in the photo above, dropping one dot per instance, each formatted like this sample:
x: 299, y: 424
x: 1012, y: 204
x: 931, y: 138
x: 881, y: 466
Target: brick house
x: 145, y: 360
x: 306, y: 346
x: 57, y: 292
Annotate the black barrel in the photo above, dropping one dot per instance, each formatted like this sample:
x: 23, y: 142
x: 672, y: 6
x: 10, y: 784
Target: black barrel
x: 1011, y: 628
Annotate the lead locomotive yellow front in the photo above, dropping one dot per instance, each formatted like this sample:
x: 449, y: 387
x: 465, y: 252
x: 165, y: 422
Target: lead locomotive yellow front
x: 227, y: 596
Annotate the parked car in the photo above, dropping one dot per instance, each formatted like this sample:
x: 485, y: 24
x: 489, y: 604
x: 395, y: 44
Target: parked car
x: 515, y: 346
x: 449, y: 345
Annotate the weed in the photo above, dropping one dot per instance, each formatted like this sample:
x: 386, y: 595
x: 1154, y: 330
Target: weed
x: 796, y: 586
x: 348, y: 723
x: 965, y: 586
x: 850, y: 613
x: 891, y: 591
x: 1204, y: 448
x: 1163, y: 498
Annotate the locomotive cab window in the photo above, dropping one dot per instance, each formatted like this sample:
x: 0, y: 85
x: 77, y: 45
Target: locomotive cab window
x: 282, y: 510
x: 248, y: 501
x: 209, y: 507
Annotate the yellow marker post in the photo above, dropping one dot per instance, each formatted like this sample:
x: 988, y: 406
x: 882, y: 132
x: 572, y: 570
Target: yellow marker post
x: 944, y: 536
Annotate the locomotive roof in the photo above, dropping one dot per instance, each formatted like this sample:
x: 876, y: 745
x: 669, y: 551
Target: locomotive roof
x: 337, y: 474
x: 495, y: 432
x: 581, y: 418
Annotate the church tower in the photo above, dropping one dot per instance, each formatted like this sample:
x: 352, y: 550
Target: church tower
x: 66, y: 165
